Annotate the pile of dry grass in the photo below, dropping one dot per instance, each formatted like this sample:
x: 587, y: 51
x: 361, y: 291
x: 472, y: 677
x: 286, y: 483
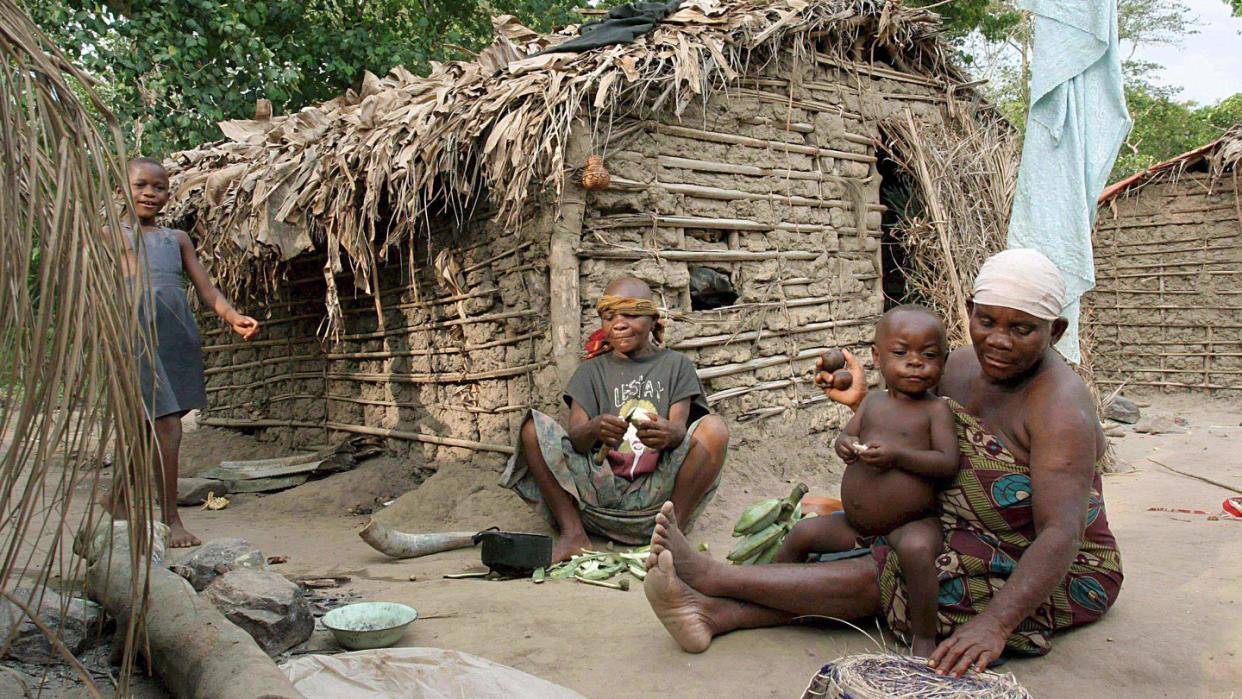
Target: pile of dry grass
x: 964, y: 173
x: 364, y: 172
x: 1227, y: 153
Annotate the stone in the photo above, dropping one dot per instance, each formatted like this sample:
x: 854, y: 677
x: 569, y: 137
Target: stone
x: 268, y: 606
x: 217, y: 557
x: 1114, y: 431
x: 193, y: 491
x: 78, y: 626
x: 1122, y: 409
x: 1158, y: 424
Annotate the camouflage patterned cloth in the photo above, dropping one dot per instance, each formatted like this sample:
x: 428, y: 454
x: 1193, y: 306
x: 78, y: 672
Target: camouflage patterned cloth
x: 988, y: 521
x: 621, y: 510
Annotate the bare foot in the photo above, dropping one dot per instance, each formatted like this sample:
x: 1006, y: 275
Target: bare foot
x: 179, y: 538
x: 693, y: 566
x: 923, y: 646
x: 568, y: 546
x: 677, y: 605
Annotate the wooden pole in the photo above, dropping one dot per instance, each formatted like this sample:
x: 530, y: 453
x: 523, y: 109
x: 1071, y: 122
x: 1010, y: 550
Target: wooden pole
x: 565, y: 305
x: 194, y: 648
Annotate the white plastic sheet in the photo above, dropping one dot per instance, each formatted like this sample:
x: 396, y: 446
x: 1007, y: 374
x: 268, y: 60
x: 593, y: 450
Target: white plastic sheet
x: 414, y: 673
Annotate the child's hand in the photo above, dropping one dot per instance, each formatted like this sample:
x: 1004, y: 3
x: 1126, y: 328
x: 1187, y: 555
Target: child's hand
x: 658, y: 433
x: 245, y: 326
x: 845, y: 449
x: 609, y: 429
x: 878, y: 456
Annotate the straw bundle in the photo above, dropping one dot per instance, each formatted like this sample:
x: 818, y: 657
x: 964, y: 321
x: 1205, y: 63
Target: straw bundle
x: 887, y: 676
x: 1227, y: 154
x: 69, y: 393
x: 365, y: 172
x: 964, y: 176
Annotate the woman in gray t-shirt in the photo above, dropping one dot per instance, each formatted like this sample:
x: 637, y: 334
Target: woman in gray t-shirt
x: 640, y: 433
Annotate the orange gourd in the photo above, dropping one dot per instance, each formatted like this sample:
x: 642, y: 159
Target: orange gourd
x: 594, y: 177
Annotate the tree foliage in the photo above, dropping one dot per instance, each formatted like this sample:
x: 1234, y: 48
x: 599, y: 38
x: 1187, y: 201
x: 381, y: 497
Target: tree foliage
x: 997, y: 40
x: 993, y: 19
x: 171, y: 70
x: 1165, y: 128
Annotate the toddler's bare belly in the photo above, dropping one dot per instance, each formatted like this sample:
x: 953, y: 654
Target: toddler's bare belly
x: 877, y: 502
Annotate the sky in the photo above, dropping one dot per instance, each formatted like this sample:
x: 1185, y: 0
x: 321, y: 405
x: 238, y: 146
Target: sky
x: 1208, y: 65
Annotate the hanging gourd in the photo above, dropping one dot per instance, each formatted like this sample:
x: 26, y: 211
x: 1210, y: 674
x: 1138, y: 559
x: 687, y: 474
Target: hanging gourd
x: 594, y: 177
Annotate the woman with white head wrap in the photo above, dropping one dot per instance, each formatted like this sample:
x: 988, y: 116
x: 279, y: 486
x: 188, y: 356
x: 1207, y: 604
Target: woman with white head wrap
x: 1025, y: 290
x: 1018, y: 564
x: 1024, y: 280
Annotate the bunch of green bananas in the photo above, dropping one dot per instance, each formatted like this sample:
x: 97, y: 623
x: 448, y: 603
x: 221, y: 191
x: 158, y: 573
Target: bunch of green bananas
x: 763, y: 527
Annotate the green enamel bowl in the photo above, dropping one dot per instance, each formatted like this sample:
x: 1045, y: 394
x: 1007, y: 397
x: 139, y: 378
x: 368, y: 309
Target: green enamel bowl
x: 369, y: 624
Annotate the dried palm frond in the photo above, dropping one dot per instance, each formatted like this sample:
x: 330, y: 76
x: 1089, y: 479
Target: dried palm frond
x: 69, y: 391
x: 1227, y: 154
x: 368, y: 170
x: 963, y: 174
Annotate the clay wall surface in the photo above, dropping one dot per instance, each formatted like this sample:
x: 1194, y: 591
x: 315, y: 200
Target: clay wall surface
x: 274, y: 382
x: 1167, y: 308
x: 450, y: 370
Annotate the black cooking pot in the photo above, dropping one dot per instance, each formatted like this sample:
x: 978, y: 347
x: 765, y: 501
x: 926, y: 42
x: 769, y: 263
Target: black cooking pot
x: 513, y: 554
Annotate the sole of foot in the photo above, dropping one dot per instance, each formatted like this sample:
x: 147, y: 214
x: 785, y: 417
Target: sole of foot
x: 677, y: 606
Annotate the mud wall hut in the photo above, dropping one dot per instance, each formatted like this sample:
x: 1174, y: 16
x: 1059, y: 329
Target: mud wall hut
x: 1167, y: 308
x: 425, y: 258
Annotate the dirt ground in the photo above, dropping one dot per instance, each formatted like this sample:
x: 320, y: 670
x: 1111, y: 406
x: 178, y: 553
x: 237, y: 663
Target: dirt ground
x: 1175, y: 632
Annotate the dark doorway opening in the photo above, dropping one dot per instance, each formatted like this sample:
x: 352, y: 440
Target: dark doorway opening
x: 900, y: 204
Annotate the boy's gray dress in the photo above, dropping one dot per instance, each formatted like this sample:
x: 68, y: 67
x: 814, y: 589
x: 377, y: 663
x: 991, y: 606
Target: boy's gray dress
x: 171, y: 376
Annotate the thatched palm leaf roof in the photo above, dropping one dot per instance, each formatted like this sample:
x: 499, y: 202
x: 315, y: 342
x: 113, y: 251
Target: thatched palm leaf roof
x: 1218, y: 157
x: 366, y: 171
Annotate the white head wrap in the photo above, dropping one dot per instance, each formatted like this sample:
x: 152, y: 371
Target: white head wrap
x: 1022, y: 279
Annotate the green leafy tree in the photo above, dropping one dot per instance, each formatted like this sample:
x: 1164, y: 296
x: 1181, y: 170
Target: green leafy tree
x: 1165, y: 128
x: 997, y: 39
x: 993, y: 19
x: 172, y: 70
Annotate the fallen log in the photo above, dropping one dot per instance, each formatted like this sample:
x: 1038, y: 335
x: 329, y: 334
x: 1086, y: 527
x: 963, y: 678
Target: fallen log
x: 397, y: 544
x: 197, y: 652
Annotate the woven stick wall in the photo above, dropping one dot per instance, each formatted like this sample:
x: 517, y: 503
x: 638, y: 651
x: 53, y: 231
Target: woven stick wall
x: 451, y: 366
x: 1167, y: 308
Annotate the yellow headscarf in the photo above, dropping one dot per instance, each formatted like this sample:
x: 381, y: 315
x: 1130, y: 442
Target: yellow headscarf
x: 630, y: 306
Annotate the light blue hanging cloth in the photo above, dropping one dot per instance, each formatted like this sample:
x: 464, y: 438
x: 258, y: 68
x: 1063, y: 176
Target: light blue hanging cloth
x: 1077, y: 122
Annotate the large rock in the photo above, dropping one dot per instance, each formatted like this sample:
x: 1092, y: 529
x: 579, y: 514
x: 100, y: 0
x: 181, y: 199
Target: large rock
x: 194, y: 491
x: 217, y: 557
x: 1122, y: 409
x: 266, y: 605
x: 78, y: 626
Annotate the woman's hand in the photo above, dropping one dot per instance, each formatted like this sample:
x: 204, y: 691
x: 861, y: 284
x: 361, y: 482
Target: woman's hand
x: 972, y: 646
x: 609, y: 429
x: 660, y: 434
x: 245, y: 326
x: 851, y: 397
